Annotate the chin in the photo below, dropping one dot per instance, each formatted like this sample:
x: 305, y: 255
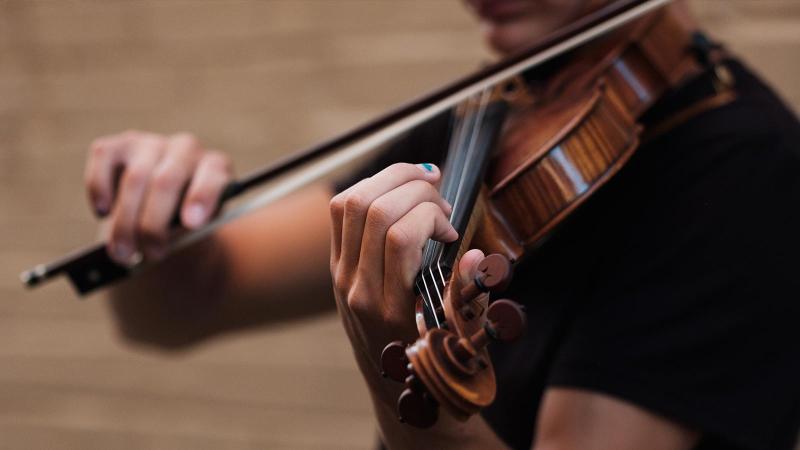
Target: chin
x: 513, y: 25
x: 510, y: 38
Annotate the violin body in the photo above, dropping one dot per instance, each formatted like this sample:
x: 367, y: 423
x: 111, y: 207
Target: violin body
x: 554, y: 158
x: 556, y: 152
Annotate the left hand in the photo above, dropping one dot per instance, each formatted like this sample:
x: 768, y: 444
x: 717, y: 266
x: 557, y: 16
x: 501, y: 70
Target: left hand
x: 380, y: 226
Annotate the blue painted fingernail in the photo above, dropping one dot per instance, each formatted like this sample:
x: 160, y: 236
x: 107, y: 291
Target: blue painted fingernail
x: 427, y: 166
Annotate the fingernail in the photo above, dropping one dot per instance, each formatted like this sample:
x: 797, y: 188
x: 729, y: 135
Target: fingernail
x: 195, y: 215
x: 123, y: 253
x: 101, y: 207
x: 428, y: 167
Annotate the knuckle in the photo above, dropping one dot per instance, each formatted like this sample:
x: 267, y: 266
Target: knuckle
x: 185, y: 147
x: 428, y: 189
x: 431, y: 209
x: 166, y: 180
x: 355, y: 203
x: 355, y: 305
x: 421, y: 186
x: 98, y: 149
x: 153, y: 140
x: 397, y: 239
x: 130, y: 134
x: 378, y: 215
x: 336, y: 206
x: 185, y: 139
x: 136, y: 176
x: 357, y: 298
x: 333, y: 264
x: 340, y: 280
x: 218, y: 161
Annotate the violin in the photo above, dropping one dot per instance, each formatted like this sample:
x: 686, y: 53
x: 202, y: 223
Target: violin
x: 520, y: 164
x: 536, y: 135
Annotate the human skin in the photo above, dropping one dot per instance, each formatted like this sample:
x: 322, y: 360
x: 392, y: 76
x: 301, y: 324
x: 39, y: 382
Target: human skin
x: 378, y: 223
x: 379, y: 228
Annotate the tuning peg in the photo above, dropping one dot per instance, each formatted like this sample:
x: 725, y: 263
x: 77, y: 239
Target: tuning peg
x: 496, y: 270
x: 417, y: 409
x: 493, y: 273
x: 505, y: 320
x: 394, y: 362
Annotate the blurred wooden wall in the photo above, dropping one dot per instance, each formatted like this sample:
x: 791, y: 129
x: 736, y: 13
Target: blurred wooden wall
x: 258, y: 79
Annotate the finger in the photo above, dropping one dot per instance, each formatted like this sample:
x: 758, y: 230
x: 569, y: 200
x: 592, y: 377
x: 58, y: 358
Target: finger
x: 168, y: 182
x: 214, y: 172
x: 383, y: 213
x: 468, y: 265
x: 405, y: 241
x: 144, y: 156
x: 358, y: 198
x: 337, y: 206
x: 106, y: 156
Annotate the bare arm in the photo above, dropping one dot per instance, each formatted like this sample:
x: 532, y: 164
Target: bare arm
x: 267, y: 266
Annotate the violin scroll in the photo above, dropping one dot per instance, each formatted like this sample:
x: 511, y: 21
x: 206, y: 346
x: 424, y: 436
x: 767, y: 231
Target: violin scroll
x: 451, y: 367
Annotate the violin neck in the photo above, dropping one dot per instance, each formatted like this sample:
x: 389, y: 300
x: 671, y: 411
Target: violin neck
x: 473, y: 136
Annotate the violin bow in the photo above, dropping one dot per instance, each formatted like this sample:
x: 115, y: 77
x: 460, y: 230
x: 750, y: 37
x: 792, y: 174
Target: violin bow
x: 91, y: 267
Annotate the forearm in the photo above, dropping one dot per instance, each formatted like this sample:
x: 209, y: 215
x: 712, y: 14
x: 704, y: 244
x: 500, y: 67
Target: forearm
x: 269, y: 266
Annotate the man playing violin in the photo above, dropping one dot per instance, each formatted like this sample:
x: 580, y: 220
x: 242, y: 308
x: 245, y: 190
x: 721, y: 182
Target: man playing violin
x: 677, y: 331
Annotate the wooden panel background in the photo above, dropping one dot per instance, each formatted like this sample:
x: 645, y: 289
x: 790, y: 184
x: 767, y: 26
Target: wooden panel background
x: 257, y: 78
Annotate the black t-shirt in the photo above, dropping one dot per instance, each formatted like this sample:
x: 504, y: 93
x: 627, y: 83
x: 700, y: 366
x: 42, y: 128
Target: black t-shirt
x: 676, y: 286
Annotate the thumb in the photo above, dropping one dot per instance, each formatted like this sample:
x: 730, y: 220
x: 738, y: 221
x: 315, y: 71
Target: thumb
x: 468, y: 264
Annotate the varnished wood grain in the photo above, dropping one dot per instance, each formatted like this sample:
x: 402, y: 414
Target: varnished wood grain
x: 256, y: 78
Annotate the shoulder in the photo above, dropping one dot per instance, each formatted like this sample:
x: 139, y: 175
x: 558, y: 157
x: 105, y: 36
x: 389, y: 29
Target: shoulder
x: 715, y: 193
x: 756, y: 126
x: 754, y: 142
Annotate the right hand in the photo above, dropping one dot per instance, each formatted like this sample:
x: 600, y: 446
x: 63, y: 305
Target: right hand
x: 137, y: 180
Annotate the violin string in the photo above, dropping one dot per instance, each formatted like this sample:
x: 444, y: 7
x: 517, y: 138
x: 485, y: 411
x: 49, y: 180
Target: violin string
x: 459, y: 162
x: 453, y: 161
x: 477, y: 121
x: 430, y: 302
x: 456, y: 166
x: 457, y: 138
x: 466, y: 165
x: 472, y: 145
